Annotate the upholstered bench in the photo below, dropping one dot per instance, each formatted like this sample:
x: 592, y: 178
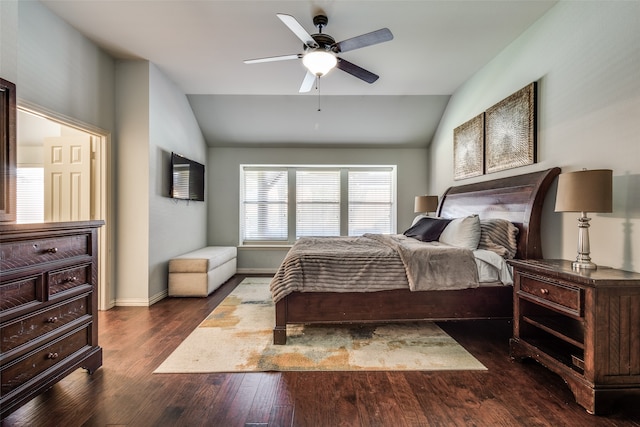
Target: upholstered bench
x: 198, y: 273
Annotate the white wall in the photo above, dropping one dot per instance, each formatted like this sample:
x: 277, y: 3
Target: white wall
x: 224, y: 188
x: 586, y: 58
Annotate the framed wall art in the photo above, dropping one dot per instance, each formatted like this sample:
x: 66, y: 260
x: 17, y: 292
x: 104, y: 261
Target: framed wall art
x: 510, y: 131
x: 468, y: 148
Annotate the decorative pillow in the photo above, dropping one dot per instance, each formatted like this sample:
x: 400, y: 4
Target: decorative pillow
x: 462, y: 232
x: 499, y: 236
x: 418, y: 218
x: 427, y: 229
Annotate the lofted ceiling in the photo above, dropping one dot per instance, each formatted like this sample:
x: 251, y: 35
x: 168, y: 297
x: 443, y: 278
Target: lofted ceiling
x: 201, y: 45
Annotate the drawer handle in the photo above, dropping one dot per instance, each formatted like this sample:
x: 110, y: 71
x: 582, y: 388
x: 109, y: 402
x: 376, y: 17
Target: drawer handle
x: 544, y: 291
x: 50, y: 251
x: 53, y: 319
x: 70, y: 279
x: 52, y: 356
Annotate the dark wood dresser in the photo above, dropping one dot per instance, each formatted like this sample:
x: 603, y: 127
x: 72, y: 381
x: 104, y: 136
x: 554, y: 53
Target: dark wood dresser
x: 583, y: 325
x: 48, y: 306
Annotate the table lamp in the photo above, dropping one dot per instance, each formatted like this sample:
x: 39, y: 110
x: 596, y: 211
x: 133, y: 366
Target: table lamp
x: 584, y: 191
x: 425, y: 204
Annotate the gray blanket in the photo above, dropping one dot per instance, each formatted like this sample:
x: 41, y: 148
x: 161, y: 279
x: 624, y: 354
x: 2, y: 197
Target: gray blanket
x: 373, y: 262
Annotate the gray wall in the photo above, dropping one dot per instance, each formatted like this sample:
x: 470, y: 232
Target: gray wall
x: 224, y: 177
x: 61, y: 70
x: 154, y: 119
x: 586, y: 58
x: 176, y: 226
x: 132, y: 159
x: 57, y: 69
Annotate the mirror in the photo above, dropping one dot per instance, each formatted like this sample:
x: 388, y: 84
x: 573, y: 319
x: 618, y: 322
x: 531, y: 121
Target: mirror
x: 7, y: 151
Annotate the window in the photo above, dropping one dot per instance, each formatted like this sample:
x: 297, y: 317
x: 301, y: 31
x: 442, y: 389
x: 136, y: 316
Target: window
x: 29, y: 194
x: 370, y: 197
x: 265, y: 205
x: 317, y: 203
x: 279, y: 204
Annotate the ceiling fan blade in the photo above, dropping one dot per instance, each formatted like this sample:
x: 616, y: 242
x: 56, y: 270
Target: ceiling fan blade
x: 273, y: 58
x: 364, y: 40
x: 297, y: 29
x: 356, y: 71
x: 307, y: 83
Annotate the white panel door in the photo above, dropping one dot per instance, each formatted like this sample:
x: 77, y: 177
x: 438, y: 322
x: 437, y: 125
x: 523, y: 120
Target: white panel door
x: 67, y: 178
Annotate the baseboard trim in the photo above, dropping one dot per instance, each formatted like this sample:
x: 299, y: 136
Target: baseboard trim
x: 159, y: 296
x: 256, y: 271
x: 141, y: 302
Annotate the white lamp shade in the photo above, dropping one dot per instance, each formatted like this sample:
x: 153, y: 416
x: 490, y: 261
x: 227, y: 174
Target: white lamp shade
x: 319, y: 62
x: 585, y: 191
x: 425, y: 204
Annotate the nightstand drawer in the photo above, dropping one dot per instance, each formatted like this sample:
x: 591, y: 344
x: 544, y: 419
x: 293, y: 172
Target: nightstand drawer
x: 555, y: 295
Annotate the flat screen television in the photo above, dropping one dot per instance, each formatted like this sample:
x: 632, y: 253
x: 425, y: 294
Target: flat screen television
x: 187, y: 178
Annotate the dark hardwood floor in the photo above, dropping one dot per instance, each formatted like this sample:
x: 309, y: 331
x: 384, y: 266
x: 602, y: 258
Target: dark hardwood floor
x: 125, y: 392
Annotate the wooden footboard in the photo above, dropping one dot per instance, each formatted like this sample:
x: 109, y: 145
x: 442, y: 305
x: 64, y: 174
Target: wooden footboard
x: 391, y: 306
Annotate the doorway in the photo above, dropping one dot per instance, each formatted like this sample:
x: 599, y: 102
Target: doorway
x: 43, y: 196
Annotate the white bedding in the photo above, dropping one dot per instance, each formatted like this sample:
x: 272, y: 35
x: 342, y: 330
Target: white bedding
x: 492, y: 267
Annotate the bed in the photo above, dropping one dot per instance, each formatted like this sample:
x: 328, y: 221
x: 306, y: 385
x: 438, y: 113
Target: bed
x: 518, y: 199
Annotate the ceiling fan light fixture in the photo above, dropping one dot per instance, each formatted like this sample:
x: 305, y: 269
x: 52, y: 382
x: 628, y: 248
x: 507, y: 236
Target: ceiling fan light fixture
x: 319, y: 62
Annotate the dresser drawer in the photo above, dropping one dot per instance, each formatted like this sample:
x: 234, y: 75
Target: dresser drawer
x: 20, y: 293
x: 25, y: 329
x: 69, y: 278
x: 37, y: 362
x: 550, y: 294
x: 24, y: 253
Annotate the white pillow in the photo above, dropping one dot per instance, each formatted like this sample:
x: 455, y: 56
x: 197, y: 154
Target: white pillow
x: 462, y: 232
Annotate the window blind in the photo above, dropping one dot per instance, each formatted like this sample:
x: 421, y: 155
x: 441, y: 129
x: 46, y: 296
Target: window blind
x: 29, y: 195
x: 265, y: 205
x: 370, y: 202
x: 317, y: 203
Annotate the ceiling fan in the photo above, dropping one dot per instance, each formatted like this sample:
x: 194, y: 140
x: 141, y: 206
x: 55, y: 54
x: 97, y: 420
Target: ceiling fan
x: 321, y: 51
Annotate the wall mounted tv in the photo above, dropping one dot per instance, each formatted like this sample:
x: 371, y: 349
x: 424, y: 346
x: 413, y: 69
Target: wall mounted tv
x: 187, y: 178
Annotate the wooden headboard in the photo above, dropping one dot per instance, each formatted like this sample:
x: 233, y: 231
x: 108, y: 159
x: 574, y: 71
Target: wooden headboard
x: 518, y: 199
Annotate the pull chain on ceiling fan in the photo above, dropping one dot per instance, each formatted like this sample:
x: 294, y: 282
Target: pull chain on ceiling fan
x: 321, y: 51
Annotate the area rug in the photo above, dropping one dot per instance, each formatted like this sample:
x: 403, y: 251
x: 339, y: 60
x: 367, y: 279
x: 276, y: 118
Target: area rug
x: 237, y: 337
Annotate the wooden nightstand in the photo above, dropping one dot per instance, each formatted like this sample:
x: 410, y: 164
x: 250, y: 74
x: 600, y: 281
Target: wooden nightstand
x: 584, y: 326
